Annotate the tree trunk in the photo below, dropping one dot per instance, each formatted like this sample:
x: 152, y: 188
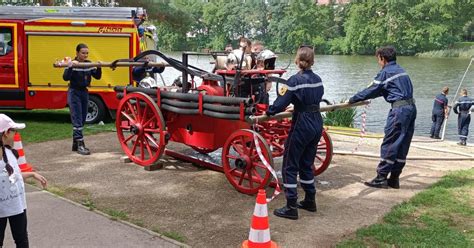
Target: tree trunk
x: 47, y: 2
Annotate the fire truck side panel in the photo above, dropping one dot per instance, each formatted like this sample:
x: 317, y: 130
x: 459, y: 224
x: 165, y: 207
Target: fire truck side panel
x: 47, y: 88
x: 11, y: 65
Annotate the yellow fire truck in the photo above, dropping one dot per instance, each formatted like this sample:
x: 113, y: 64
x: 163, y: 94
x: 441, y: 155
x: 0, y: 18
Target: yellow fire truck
x: 32, y: 38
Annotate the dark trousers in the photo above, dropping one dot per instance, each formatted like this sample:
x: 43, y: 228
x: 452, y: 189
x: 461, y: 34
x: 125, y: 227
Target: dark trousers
x: 463, y: 126
x: 78, y: 102
x: 396, y: 142
x: 438, y: 120
x: 18, y: 228
x: 300, y: 152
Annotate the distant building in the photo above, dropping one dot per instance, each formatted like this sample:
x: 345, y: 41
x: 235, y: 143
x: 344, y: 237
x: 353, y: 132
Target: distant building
x: 325, y: 2
x: 84, y: 3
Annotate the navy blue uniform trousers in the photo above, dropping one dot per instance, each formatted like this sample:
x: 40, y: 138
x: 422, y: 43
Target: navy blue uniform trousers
x: 438, y: 120
x: 399, y: 131
x: 78, y: 103
x: 464, y: 120
x: 300, y: 152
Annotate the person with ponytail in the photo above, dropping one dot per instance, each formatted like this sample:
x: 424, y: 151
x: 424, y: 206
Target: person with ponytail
x: 12, y: 187
x: 78, y: 95
x: 305, y: 91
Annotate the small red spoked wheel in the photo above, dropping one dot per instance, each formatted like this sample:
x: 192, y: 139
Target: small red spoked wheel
x: 141, y: 129
x: 242, y: 161
x: 202, y: 150
x: 323, y: 155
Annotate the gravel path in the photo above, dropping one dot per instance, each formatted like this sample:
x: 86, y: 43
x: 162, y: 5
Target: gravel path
x: 201, y: 206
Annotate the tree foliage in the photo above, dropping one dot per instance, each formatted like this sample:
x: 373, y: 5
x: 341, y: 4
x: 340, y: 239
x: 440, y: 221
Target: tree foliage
x: 355, y: 28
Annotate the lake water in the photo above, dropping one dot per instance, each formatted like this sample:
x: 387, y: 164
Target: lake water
x: 343, y: 76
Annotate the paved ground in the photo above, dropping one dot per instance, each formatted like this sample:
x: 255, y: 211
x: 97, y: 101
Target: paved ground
x: 201, y: 208
x: 56, y: 222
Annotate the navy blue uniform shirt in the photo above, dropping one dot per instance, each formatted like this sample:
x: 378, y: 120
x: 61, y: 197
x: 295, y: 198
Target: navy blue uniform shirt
x: 440, y: 103
x: 80, y: 78
x: 464, y: 104
x: 139, y: 72
x: 392, y: 82
x: 304, y: 88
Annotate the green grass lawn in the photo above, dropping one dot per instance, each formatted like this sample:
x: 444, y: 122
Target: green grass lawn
x: 441, y: 216
x: 44, y: 125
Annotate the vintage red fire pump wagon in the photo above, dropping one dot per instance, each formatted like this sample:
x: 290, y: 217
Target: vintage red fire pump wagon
x: 221, y: 111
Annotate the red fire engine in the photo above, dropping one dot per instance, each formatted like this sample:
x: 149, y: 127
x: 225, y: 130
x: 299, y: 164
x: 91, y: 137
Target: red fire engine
x: 31, y: 38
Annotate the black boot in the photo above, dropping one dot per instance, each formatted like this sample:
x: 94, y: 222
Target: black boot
x: 380, y: 181
x: 309, y: 203
x: 464, y: 143
x: 290, y: 211
x: 81, y: 148
x: 74, y: 145
x: 394, y: 181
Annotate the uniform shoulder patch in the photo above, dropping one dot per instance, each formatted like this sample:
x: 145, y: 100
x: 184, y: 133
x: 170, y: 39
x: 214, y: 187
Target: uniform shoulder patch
x: 282, y: 90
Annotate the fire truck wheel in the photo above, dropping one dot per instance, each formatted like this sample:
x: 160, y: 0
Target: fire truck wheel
x: 96, y: 110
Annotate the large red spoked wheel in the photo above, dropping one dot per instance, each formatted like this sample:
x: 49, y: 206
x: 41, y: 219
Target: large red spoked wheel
x: 323, y: 155
x: 140, y: 128
x: 242, y: 161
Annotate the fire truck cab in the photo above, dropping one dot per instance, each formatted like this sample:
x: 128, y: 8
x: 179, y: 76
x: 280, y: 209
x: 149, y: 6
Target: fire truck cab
x: 33, y: 38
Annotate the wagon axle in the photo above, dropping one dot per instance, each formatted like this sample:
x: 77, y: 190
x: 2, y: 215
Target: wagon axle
x: 135, y: 129
x: 242, y: 163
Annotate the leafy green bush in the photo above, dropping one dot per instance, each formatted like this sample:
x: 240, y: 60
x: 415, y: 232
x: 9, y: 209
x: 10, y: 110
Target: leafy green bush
x: 341, y: 117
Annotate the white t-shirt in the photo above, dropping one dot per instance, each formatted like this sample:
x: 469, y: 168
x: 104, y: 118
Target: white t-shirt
x: 12, y: 189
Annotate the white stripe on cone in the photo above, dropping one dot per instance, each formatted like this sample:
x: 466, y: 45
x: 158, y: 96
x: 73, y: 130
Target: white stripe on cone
x: 260, y: 210
x: 259, y: 236
x: 17, y: 145
x: 21, y: 160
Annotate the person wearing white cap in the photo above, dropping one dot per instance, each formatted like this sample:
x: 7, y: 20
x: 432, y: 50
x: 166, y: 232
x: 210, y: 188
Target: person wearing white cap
x: 12, y: 187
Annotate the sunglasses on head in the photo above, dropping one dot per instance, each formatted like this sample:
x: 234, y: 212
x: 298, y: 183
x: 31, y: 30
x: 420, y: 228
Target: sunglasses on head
x: 308, y: 46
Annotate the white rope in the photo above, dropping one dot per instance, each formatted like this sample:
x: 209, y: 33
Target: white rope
x: 269, y: 168
x: 362, y: 128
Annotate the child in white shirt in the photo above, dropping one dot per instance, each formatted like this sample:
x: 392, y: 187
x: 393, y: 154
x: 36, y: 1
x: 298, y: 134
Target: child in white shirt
x: 12, y: 187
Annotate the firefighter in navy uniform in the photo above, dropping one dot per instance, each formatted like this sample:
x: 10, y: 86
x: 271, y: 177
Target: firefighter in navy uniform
x: 145, y: 75
x: 440, y: 112
x: 462, y: 107
x: 78, y: 95
x: 394, y: 84
x: 304, y: 91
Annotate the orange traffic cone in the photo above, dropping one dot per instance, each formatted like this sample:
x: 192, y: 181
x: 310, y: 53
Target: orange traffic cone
x: 24, y: 166
x: 259, y: 235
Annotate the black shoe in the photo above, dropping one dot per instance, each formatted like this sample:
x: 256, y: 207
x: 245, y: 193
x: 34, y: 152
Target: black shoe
x: 309, y: 202
x: 431, y: 136
x: 290, y: 211
x: 380, y: 181
x: 81, y: 148
x: 436, y: 137
x: 74, y: 146
x: 307, y: 205
x: 394, y: 180
x: 462, y: 143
